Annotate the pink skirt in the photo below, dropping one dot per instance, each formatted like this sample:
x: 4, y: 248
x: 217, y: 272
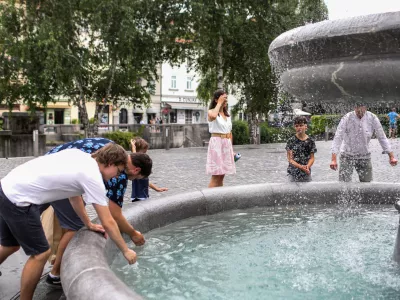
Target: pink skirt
x: 220, y: 157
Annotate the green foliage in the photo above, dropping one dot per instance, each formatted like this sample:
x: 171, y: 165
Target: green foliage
x: 121, y: 138
x: 319, y: 122
x: 246, y: 29
x: 92, y: 121
x: 240, y: 132
x: 275, y: 134
x: 92, y: 50
x: 74, y: 121
x: 1, y: 123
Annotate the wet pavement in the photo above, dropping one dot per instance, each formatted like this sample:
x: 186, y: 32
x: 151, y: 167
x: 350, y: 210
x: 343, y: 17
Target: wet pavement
x: 183, y: 170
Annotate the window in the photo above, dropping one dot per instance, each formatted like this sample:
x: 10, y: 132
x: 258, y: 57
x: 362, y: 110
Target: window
x: 173, y: 82
x: 189, y: 83
x: 172, y: 116
x: 123, y: 116
x: 188, y: 117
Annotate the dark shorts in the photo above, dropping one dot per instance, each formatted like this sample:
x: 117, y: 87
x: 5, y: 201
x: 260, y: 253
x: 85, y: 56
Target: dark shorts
x: 393, y: 126
x: 305, y: 178
x: 66, y: 215
x: 21, y: 226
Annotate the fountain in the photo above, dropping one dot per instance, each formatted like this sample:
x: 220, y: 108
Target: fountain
x: 331, y: 62
x: 341, y: 61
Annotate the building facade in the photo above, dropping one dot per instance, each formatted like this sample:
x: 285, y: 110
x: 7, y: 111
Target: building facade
x: 179, y: 102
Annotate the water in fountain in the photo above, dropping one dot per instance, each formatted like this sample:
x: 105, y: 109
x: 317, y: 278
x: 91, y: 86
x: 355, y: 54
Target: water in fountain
x: 299, y: 252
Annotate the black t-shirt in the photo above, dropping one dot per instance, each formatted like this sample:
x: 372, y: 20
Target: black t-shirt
x: 301, y: 154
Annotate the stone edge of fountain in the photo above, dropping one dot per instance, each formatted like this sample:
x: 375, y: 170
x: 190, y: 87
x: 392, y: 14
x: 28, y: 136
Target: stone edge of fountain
x: 85, y: 267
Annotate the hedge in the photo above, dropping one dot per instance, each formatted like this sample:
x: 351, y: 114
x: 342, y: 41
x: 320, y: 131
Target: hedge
x: 319, y: 122
x: 240, y: 132
x: 275, y: 134
x: 121, y: 138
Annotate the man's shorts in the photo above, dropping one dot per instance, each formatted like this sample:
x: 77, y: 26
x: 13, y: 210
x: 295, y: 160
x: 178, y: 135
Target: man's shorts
x: 393, y: 126
x: 21, y: 226
x: 66, y: 215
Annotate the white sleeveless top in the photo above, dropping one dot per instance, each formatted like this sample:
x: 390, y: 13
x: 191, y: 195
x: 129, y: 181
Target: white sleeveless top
x: 219, y: 125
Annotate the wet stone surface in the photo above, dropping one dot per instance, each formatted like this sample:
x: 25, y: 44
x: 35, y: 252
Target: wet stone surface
x: 183, y: 170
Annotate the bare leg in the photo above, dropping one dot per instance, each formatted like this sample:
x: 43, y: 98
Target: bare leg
x: 60, y: 251
x: 216, y: 181
x: 6, y: 252
x: 31, y: 274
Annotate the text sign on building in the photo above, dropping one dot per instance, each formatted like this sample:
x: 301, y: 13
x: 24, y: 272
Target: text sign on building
x: 182, y: 100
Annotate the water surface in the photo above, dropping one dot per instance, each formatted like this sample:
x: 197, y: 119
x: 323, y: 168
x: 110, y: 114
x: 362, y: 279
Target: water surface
x: 270, y: 253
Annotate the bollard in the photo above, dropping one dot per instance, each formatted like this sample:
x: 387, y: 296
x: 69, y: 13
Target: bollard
x: 167, y: 137
x: 326, y: 133
x: 35, y: 143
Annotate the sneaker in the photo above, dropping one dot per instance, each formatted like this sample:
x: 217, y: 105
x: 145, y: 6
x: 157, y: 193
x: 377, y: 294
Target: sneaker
x: 54, y: 282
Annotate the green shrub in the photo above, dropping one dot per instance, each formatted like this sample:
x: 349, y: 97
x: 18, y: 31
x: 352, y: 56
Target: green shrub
x: 91, y: 121
x: 74, y: 121
x: 275, y: 134
x: 240, y: 132
x: 319, y: 122
x: 121, y: 138
x: 1, y: 124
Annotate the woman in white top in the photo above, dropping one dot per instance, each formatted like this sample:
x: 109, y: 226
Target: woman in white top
x: 220, y: 154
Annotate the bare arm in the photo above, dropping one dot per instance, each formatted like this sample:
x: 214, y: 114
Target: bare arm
x: 213, y: 113
x: 112, y: 230
x: 333, y: 164
x: 79, y: 207
x: 156, y: 188
x: 124, y: 226
x: 311, y: 161
x: 292, y: 161
x: 133, y: 146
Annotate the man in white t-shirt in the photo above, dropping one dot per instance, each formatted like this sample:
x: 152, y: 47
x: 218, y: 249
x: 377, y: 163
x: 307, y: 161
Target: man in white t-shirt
x: 66, y: 174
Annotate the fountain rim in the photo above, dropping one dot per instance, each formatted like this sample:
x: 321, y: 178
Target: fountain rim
x: 85, y: 266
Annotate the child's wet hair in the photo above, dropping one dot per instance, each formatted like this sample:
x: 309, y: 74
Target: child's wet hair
x: 300, y: 120
x: 141, y: 145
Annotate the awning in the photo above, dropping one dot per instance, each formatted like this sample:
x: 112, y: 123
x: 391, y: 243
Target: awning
x: 189, y: 106
x: 152, y: 110
x: 50, y: 106
x: 299, y: 112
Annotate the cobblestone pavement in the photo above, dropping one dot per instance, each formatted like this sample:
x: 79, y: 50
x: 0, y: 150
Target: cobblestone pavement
x: 183, y: 170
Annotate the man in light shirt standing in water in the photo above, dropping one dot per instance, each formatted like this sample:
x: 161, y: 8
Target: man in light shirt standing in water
x: 66, y: 174
x: 352, y: 141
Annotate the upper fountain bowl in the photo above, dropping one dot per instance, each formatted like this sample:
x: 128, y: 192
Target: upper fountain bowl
x: 349, y: 60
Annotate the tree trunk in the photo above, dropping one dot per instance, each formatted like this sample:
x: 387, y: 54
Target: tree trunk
x: 220, y: 74
x: 81, y: 103
x: 254, y: 129
x: 105, y: 99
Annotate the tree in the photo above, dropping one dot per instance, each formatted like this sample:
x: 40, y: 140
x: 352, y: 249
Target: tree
x: 229, y: 43
x: 102, y: 51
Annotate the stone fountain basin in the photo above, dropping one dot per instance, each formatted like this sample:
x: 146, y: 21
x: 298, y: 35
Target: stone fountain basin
x: 346, y: 59
x: 85, y: 267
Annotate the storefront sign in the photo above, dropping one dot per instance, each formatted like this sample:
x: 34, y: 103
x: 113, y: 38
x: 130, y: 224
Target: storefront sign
x: 181, y: 100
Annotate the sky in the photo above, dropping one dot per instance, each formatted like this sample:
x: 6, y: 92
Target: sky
x: 339, y: 9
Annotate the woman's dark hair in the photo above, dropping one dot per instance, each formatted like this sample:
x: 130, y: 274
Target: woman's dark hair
x: 218, y: 93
